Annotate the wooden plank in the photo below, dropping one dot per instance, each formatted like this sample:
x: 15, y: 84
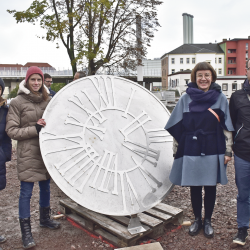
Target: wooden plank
x: 81, y: 221
x: 104, y: 222
x: 149, y: 220
x: 64, y: 210
x: 159, y: 215
x: 175, y: 212
x: 121, y: 219
x: 111, y: 238
x: 99, y: 219
x: 114, y: 228
x: 168, y: 209
x: 154, y: 223
x: 151, y: 246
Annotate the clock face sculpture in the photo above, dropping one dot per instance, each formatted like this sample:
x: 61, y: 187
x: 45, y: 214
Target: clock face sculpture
x: 105, y: 145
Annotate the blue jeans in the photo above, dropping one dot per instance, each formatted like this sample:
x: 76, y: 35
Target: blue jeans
x: 26, y: 193
x: 242, y: 178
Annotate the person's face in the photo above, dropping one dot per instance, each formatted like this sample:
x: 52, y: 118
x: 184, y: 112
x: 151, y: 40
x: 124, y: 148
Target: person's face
x: 76, y: 76
x: 48, y: 82
x: 35, y: 82
x: 204, y: 79
x: 248, y: 71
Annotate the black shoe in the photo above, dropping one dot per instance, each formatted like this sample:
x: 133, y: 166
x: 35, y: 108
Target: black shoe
x: 240, y: 237
x: 195, y: 227
x: 45, y: 220
x: 208, y: 229
x: 2, y: 239
x: 27, y: 238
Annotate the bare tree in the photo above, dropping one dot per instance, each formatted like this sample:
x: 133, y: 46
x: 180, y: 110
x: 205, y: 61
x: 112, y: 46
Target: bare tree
x: 98, y: 33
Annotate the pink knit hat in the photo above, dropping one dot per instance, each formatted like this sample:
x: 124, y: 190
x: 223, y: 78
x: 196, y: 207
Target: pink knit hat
x: 33, y: 70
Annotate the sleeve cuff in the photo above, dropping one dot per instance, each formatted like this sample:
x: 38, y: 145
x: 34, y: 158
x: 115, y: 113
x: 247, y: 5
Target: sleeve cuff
x: 228, y: 154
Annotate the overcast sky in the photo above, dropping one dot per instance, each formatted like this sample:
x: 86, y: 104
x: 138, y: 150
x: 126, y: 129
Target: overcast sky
x: 213, y: 21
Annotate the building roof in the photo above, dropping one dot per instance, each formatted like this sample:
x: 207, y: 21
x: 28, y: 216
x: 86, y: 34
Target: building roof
x: 196, y: 48
x: 38, y: 64
x: 187, y: 71
x: 237, y: 39
x: 234, y: 40
x: 11, y: 65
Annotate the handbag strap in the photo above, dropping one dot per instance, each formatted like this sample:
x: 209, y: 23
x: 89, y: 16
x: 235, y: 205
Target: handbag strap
x: 217, y: 117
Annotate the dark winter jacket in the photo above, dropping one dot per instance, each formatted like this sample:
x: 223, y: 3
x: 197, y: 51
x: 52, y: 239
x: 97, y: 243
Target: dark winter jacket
x: 5, y: 144
x: 51, y: 92
x: 240, y: 114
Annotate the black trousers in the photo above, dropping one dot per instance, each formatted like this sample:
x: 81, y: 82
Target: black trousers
x: 209, y: 200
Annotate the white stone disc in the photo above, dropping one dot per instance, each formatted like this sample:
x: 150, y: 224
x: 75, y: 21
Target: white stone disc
x: 105, y: 145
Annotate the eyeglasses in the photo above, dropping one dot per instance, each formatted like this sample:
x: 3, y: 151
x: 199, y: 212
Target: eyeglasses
x: 248, y: 68
x: 200, y: 76
x: 49, y: 81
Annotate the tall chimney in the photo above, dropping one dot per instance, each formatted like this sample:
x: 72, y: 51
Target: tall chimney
x: 188, y: 33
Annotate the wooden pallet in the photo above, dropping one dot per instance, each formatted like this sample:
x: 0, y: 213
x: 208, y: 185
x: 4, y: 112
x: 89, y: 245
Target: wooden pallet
x: 114, y: 228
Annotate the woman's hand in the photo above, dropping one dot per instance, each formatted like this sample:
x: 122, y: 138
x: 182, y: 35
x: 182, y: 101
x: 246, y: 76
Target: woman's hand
x: 227, y: 159
x: 41, y: 122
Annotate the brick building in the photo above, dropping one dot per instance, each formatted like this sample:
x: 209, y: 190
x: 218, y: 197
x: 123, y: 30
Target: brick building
x: 236, y: 53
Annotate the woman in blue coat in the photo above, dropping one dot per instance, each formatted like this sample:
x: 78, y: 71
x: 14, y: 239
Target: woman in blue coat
x: 201, y: 125
x: 5, y: 143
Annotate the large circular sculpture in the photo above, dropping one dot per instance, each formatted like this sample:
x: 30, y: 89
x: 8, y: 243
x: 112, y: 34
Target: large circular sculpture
x: 105, y: 145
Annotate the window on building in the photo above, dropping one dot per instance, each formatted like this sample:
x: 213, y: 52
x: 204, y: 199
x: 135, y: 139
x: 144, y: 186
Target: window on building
x: 186, y: 80
x: 246, y: 46
x: 246, y: 54
x: 231, y: 60
x: 219, y: 71
x: 193, y: 60
x: 230, y: 72
x: 234, y: 86
x: 181, y: 69
x: 181, y: 60
x: 172, y: 60
x: 220, y: 60
x: 187, y: 60
x: 231, y: 51
x: 173, y: 71
x: 215, y: 60
x: 224, y: 86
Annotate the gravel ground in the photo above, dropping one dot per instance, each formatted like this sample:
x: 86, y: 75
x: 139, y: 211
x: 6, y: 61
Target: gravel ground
x: 69, y: 237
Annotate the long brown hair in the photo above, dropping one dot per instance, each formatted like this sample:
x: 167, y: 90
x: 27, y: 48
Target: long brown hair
x: 42, y: 90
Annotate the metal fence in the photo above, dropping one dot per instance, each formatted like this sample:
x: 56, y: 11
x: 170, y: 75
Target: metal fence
x: 7, y: 71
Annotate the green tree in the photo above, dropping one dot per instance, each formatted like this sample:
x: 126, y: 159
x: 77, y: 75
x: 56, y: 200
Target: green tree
x: 57, y: 86
x: 13, y: 93
x: 96, y: 33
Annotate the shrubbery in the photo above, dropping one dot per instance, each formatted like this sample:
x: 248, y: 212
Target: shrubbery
x: 57, y: 86
x: 13, y: 93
